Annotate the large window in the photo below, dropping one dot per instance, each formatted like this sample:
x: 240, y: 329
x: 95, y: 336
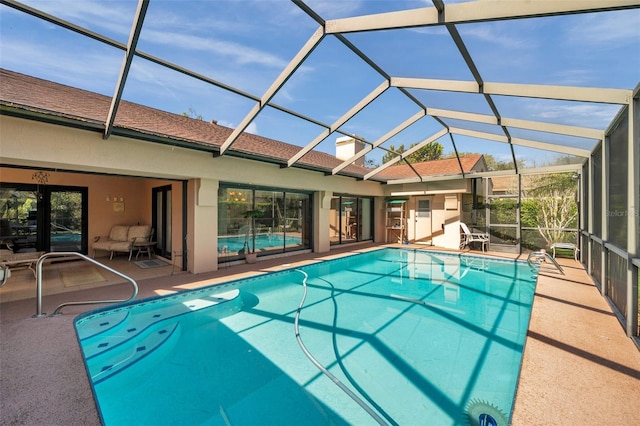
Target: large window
x: 350, y: 219
x: 283, y: 223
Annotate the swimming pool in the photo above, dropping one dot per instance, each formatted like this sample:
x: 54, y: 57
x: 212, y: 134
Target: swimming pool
x: 416, y: 337
x: 233, y: 244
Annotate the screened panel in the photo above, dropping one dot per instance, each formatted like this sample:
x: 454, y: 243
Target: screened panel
x: 586, y: 176
x: 584, y: 248
x: 617, y: 281
x: 549, y: 208
x: 617, y: 184
x: 596, y: 161
x: 596, y: 262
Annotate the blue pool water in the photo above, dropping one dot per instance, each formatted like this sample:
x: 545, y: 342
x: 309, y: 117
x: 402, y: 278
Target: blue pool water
x: 233, y: 244
x: 416, y: 337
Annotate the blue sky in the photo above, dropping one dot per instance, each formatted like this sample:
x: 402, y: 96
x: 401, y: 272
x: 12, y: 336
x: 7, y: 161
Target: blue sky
x: 246, y: 44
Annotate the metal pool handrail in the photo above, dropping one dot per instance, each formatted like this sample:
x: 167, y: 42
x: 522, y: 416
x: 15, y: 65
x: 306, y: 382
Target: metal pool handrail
x: 541, y: 256
x: 89, y: 302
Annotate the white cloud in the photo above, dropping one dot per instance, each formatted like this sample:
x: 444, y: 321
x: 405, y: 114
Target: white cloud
x: 236, y: 52
x: 596, y: 116
x: 90, y: 70
x: 491, y: 33
x: 573, y: 77
x: 335, y: 8
x: 92, y: 14
x: 252, y: 128
x: 614, y: 27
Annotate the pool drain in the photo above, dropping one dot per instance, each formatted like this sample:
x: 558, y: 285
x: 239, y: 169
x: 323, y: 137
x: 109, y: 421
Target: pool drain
x: 482, y: 413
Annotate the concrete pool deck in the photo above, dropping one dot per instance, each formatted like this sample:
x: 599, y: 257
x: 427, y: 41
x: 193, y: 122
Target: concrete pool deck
x: 578, y: 365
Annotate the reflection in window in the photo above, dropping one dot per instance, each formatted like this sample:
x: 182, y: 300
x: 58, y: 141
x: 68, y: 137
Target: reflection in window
x: 18, y: 219
x: 283, y: 225
x: 350, y: 219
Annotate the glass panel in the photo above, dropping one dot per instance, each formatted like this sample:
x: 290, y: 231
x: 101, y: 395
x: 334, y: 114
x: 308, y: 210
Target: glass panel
x: 159, y: 219
x: 271, y: 225
x: 296, y: 235
x: 364, y: 217
x: 349, y: 216
x: 18, y: 225
x: 617, y: 183
x: 168, y: 221
x: 424, y: 208
x: 65, y: 221
x: 334, y: 221
x: 232, y: 226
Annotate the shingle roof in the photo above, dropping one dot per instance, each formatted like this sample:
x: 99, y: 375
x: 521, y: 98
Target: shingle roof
x: 447, y: 166
x: 56, y: 100
x: 88, y: 109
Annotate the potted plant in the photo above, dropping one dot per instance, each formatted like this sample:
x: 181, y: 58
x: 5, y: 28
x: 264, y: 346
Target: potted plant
x: 250, y: 254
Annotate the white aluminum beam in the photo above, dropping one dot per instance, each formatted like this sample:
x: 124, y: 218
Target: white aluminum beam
x: 408, y: 122
x: 569, y: 93
x: 568, y: 150
x: 353, y: 111
x: 291, y: 67
x: 560, y: 129
x: 134, y: 35
x: 473, y: 11
x: 523, y: 171
x: 378, y: 169
x: 579, y: 152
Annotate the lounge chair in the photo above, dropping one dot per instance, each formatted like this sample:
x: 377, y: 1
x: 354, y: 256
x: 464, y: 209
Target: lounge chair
x: 467, y: 237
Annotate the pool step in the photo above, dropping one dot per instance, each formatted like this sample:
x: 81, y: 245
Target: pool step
x: 102, y: 324
x: 105, y: 332
x: 107, y: 364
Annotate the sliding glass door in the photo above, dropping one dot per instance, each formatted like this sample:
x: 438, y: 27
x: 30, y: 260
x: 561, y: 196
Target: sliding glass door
x: 283, y: 223
x: 44, y: 218
x: 65, y: 219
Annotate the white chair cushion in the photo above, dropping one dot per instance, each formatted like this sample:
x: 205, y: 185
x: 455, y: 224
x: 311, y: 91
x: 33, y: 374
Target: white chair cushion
x: 119, y: 233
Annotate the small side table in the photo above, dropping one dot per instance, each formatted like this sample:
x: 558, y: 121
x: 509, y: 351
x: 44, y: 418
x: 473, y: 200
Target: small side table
x: 144, y: 247
x: 566, y: 246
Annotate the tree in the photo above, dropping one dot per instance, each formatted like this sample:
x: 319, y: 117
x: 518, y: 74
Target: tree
x: 553, y: 205
x: 431, y: 151
x: 192, y: 113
